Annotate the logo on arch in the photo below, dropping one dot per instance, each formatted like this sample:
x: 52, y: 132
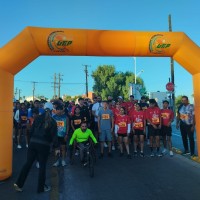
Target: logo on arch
x: 158, y: 44
x: 58, y: 42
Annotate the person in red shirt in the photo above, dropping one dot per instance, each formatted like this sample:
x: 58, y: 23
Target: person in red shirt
x: 153, y: 116
x: 130, y: 104
x: 122, y: 103
x: 139, y: 128
x: 122, y: 131
x: 167, y: 117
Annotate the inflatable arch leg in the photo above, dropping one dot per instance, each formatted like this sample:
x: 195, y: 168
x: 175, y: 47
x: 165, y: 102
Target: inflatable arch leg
x: 196, y: 85
x: 6, y: 124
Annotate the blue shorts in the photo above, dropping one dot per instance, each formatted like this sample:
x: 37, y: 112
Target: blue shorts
x: 105, y: 135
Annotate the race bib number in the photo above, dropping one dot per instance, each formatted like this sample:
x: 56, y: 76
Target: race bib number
x: 155, y: 120
x: 184, y: 116
x: 77, y: 121
x: 165, y: 115
x: 138, y: 125
x: 23, y: 118
x: 105, y: 116
x: 60, y: 123
x: 122, y: 124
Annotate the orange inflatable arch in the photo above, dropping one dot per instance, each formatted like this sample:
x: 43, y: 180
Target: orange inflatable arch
x: 33, y: 42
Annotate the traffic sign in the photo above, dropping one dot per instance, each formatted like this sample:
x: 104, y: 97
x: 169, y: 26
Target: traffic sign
x: 170, y: 86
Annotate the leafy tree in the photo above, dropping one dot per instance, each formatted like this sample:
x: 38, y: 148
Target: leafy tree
x: 109, y: 82
x: 70, y: 98
x: 178, y: 100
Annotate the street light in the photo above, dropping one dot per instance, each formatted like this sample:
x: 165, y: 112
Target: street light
x: 135, y: 70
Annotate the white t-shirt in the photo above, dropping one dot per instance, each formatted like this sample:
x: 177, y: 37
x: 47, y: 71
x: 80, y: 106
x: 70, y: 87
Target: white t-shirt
x: 96, y: 107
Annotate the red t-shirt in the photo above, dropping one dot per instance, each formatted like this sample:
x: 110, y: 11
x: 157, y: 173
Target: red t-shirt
x: 130, y: 106
x: 124, y: 104
x: 167, y: 115
x: 115, y: 112
x: 154, y: 115
x: 122, y: 121
x: 130, y: 113
x: 138, y: 118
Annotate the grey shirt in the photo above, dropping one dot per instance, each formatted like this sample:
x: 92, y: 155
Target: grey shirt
x: 105, y: 117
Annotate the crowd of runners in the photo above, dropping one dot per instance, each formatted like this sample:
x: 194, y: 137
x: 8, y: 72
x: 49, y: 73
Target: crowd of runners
x: 116, y: 124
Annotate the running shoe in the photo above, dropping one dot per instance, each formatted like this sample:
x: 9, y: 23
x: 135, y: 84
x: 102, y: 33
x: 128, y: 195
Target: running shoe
x: 47, y: 188
x: 129, y: 156
x: 142, y: 154
x: 105, y: 145
x: 63, y: 163
x: 186, y: 153
x: 26, y: 145
x: 164, y: 151
x: 152, y: 154
x: 113, y: 148
x: 77, y: 153
x: 19, y: 146
x: 17, y: 188
x: 56, y: 164
x: 37, y: 165
x: 135, y: 153
x: 158, y: 154
x: 171, y: 153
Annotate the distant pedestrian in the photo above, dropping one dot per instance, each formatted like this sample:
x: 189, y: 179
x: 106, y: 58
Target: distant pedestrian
x: 42, y: 134
x: 153, y: 116
x: 186, y: 121
x: 122, y: 131
x: 167, y: 117
x: 105, y: 126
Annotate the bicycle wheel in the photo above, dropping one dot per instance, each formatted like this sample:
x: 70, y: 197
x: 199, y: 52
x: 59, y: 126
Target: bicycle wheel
x: 91, y: 165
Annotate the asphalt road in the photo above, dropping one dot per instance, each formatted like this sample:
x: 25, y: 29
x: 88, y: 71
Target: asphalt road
x: 117, y: 178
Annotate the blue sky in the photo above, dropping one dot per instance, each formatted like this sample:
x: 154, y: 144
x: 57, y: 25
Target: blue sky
x: 134, y: 15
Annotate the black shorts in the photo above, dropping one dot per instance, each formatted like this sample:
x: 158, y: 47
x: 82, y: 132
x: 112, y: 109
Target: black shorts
x: 96, y: 129
x: 139, y: 132
x: 152, y: 131
x: 61, y: 141
x: 122, y: 135
x: 166, y: 131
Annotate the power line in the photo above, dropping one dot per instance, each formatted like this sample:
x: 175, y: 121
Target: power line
x: 40, y: 82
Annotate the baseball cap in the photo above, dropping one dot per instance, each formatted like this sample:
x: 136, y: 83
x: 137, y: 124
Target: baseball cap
x: 48, y: 105
x: 120, y: 97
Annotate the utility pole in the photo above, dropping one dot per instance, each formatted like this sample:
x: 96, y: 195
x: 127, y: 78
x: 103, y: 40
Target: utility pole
x: 86, y: 79
x: 172, y: 67
x: 16, y: 92
x: 19, y: 94
x: 55, y: 85
x: 34, y: 90
x: 59, y: 80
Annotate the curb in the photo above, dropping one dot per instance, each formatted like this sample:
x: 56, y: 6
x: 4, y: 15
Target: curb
x: 194, y: 158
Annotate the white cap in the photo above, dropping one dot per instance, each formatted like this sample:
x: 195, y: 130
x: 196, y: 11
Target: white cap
x: 48, y: 105
x: 120, y: 97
